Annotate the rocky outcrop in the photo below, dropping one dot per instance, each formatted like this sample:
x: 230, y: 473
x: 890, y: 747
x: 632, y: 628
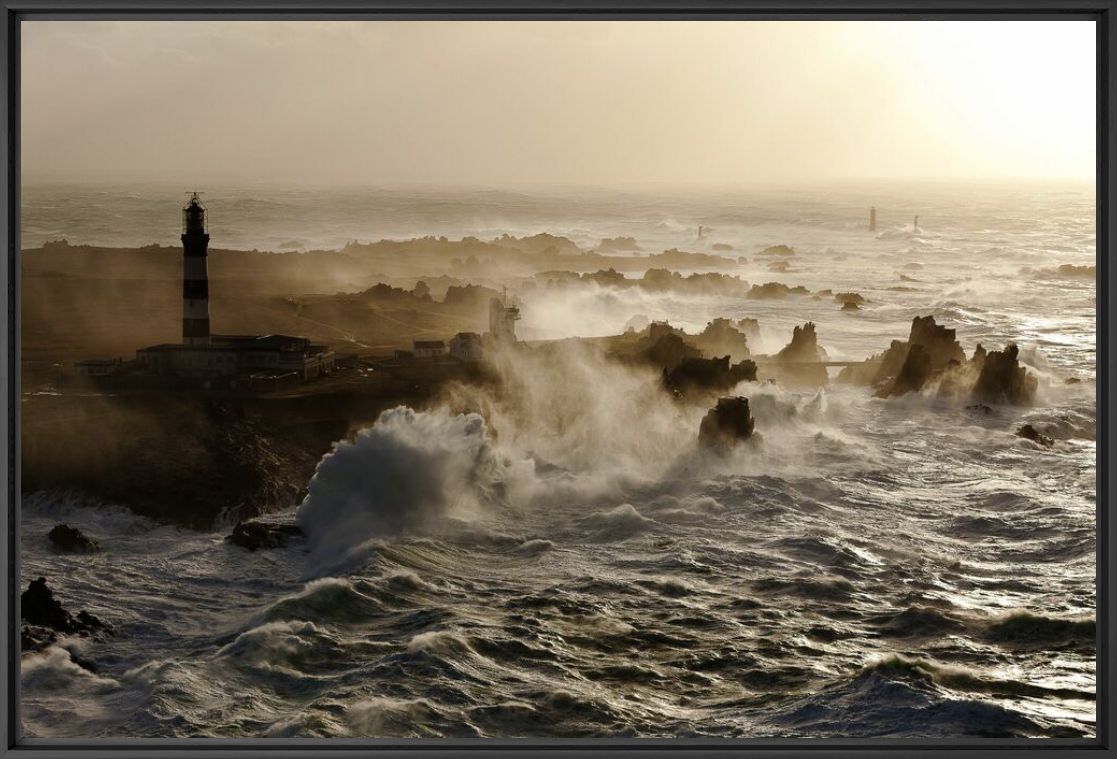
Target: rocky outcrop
x: 697, y: 375
x: 775, y: 291
x: 798, y: 364
x: 855, y: 298
x: 1003, y: 380
x: 727, y: 423
x: 778, y: 250
x: 254, y: 534
x: 1028, y: 432
x: 929, y: 353
x: 721, y: 337
x: 940, y: 343
x: 850, y: 305
x: 913, y: 375
x: 67, y: 539
x: 45, y: 618
x: 669, y: 351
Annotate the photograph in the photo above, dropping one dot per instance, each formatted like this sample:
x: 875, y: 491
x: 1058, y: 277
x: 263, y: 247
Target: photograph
x: 460, y: 379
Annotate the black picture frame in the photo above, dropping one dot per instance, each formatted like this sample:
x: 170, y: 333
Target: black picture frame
x: 1103, y: 12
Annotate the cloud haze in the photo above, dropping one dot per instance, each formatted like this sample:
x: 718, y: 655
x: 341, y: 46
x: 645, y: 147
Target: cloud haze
x: 578, y: 103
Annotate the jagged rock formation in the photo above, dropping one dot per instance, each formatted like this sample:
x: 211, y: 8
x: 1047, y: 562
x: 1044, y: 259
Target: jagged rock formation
x: 707, y: 375
x: 727, y: 423
x: 907, y: 366
x: 1028, y: 432
x: 45, y: 618
x: 67, y: 539
x: 798, y: 364
x: 932, y: 354
x: 721, y: 337
x: 850, y: 305
x: 1003, y: 380
x: 669, y: 351
x: 256, y: 534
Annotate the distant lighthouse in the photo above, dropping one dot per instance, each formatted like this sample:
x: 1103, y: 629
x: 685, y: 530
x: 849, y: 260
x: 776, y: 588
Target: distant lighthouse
x: 195, y: 278
x: 873, y: 219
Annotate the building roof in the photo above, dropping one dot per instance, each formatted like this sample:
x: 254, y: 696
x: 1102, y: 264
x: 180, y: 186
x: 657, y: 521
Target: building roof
x: 430, y: 344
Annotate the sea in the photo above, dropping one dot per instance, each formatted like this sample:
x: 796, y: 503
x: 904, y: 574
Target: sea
x: 563, y: 561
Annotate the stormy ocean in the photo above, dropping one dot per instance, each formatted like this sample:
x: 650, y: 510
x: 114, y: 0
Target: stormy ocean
x: 567, y: 563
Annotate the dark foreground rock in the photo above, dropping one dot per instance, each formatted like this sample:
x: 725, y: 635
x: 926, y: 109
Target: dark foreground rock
x: 707, y: 375
x: 1028, y: 432
x: 727, y: 423
x: 1003, y: 380
x: 255, y: 534
x: 192, y: 460
x: 67, y: 539
x: 45, y: 618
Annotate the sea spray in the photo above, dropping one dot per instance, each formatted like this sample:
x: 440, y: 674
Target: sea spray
x: 409, y: 473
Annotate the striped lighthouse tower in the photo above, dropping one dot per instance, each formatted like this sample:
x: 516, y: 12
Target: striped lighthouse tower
x: 195, y: 280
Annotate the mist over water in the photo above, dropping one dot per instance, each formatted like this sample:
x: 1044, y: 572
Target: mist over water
x: 559, y: 558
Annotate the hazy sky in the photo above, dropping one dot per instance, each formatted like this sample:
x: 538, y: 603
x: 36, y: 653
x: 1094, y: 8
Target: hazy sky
x: 590, y: 103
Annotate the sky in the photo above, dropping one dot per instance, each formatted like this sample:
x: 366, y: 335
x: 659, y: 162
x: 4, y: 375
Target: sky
x: 602, y: 104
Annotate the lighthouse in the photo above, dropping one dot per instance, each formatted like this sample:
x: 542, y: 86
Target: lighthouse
x: 195, y: 278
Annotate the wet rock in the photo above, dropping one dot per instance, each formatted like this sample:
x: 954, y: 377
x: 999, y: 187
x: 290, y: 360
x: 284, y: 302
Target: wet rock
x: 939, y: 352
x: 780, y: 267
x: 940, y: 343
x: 67, y: 539
x: 913, y: 375
x: 707, y: 374
x: 775, y: 291
x: 799, y: 362
x: 981, y: 408
x: 850, y: 305
x: 721, y: 337
x: 255, y: 534
x: 1072, y: 381
x: 727, y: 423
x: 45, y: 618
x: 855, y: 298
x: 669, y: 351
x: 1003, y: 380
x: 1028, y: 432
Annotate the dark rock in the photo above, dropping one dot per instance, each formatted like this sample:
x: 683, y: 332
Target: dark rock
x: 855, y: 298
x: 850, y: 305
x: 776, y: 290
x: 669, y: 351
x: 721, y: 337
x: 799, y: 362
x: 254, y: 534
x: 707, y: 374
x: 1072, y: 381
x: 981, y: 408
x: 1028, y: 432
x: 913, y: 375
x: 940, y: 343
x: 1003, y: 380
x: 726, y: 423
x: 46, y: 618
x: 67, y: 539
